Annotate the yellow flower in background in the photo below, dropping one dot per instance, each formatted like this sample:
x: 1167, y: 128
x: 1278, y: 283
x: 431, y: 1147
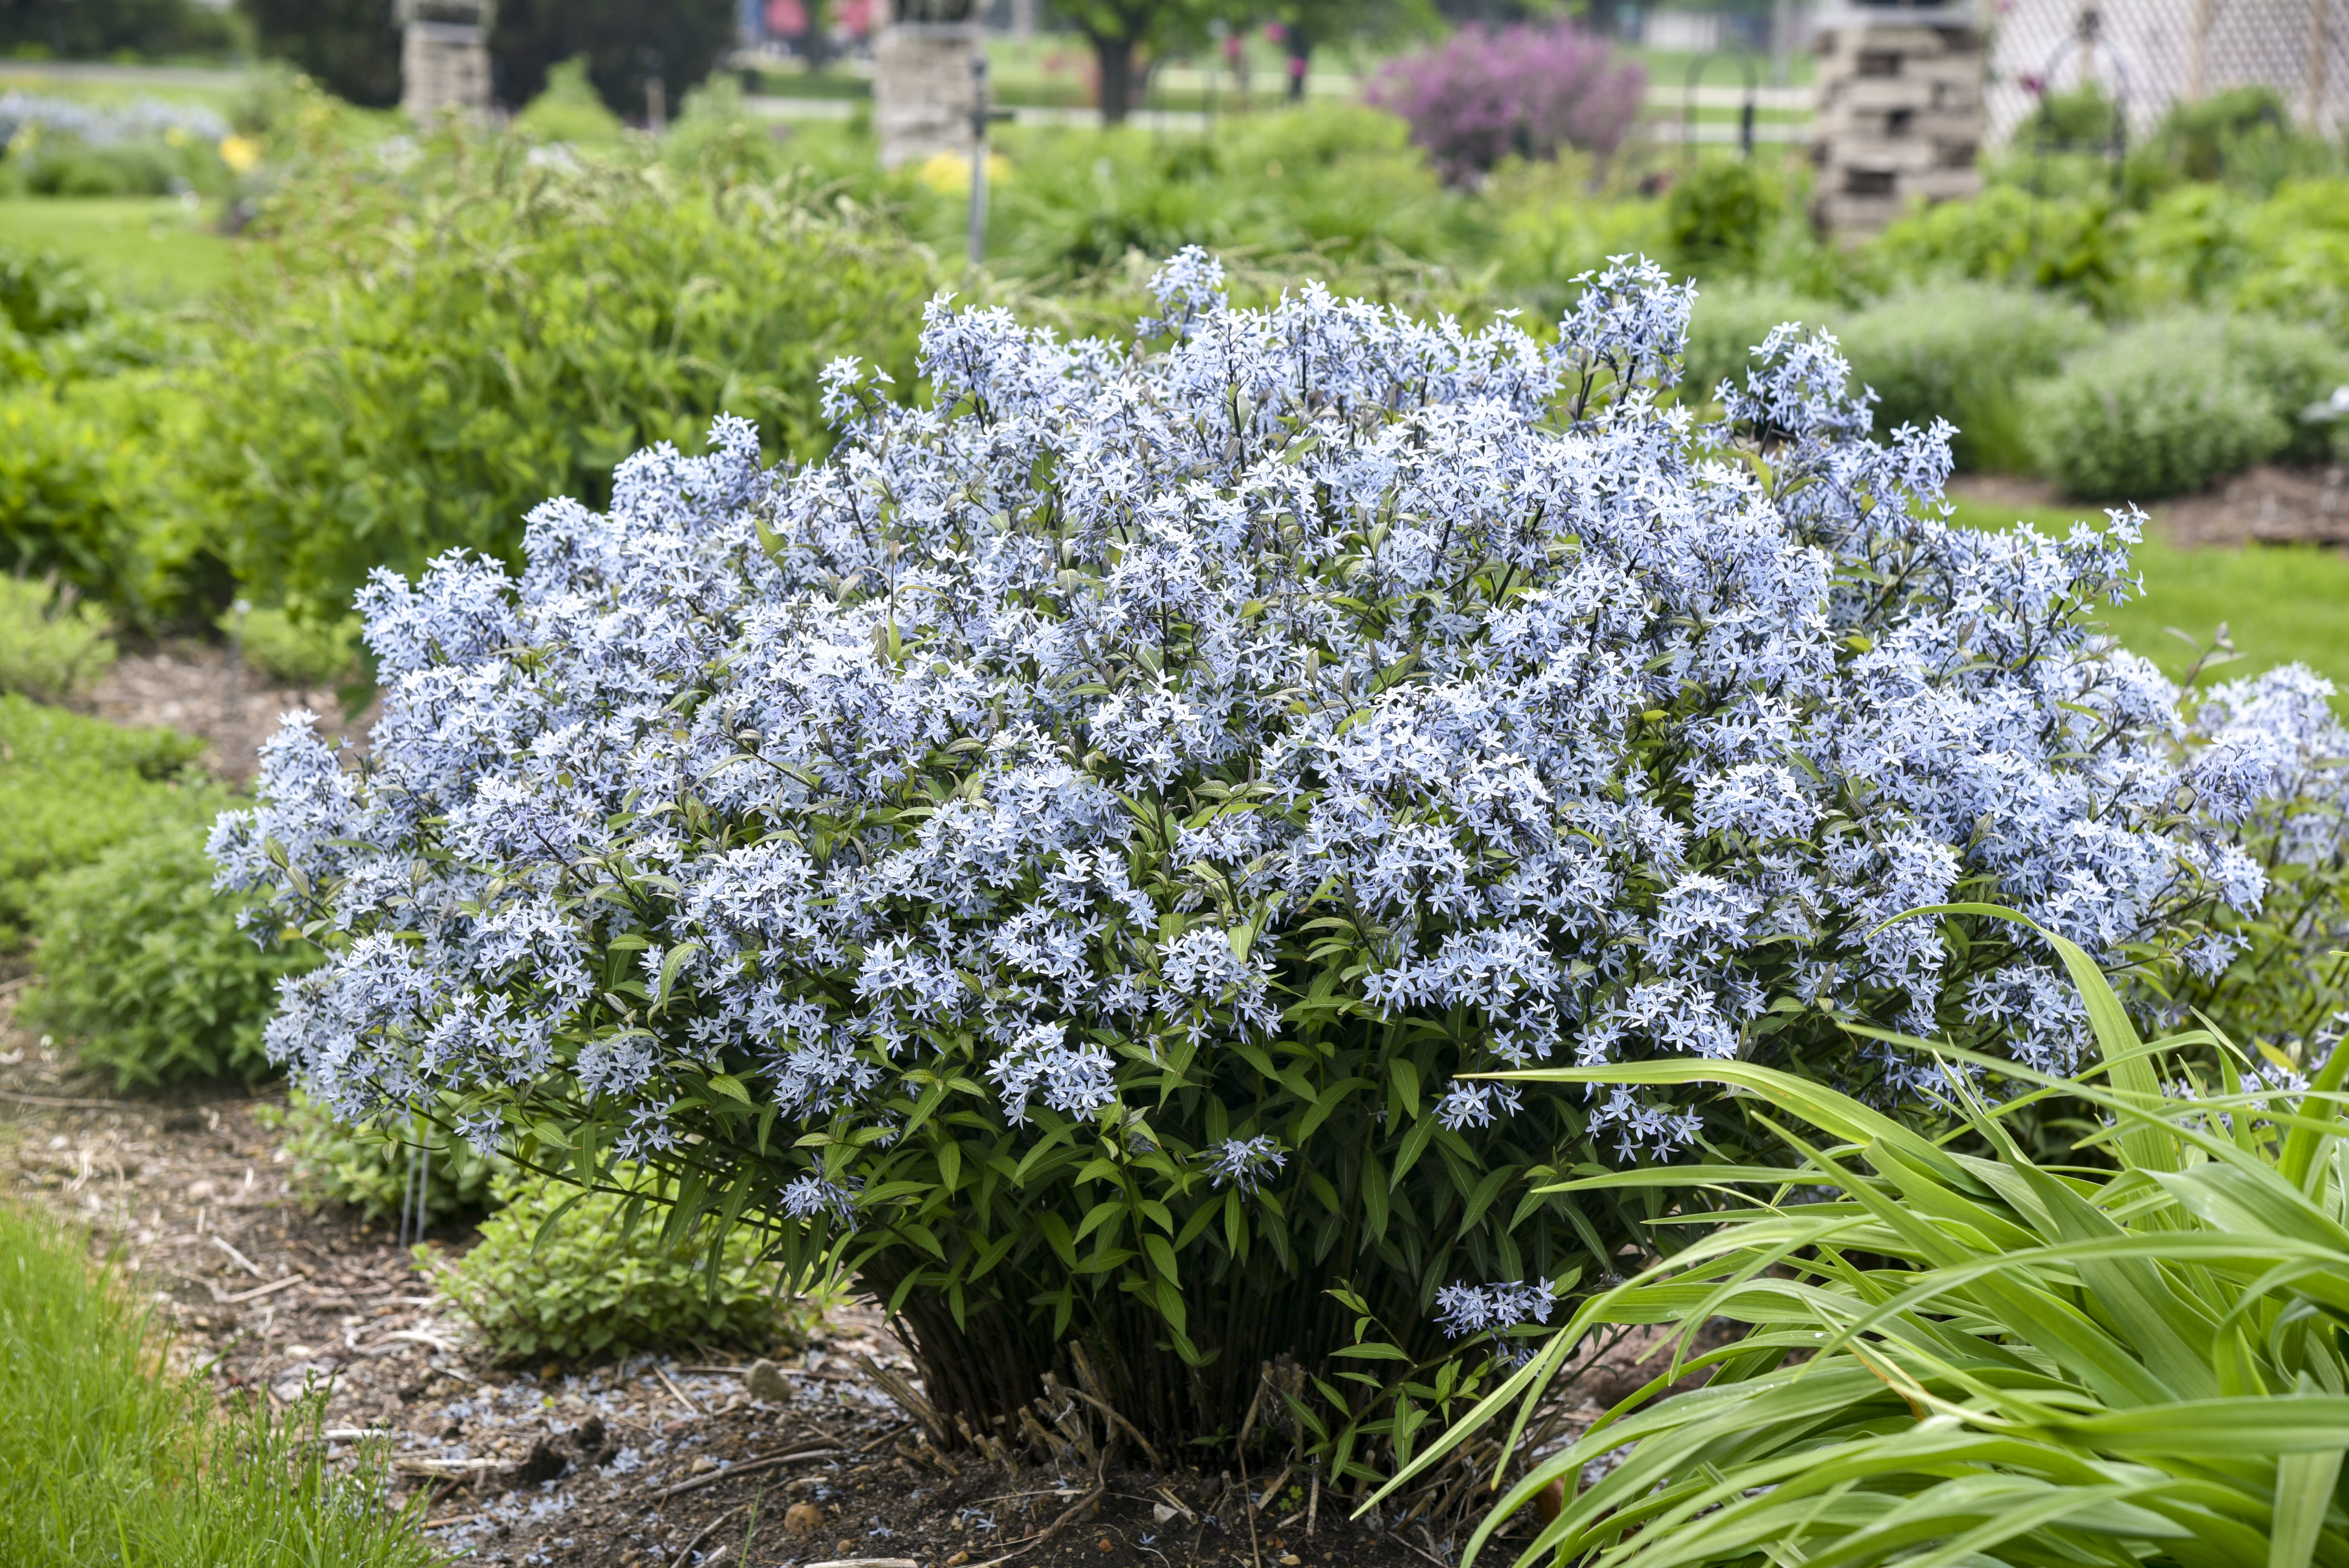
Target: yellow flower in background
x: 240, y: 153
x: 175, y: 136
x: 948, y: 173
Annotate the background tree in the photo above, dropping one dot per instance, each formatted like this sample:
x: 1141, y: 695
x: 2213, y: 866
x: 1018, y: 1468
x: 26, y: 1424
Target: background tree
x: 624, y: 42
x: 1305, y: 25
x: 351, y: 47
x: 81, y: 29
x: 1127, y: 35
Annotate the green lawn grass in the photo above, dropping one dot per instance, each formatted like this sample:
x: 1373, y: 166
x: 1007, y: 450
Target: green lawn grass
x: 147, y: 247
x: 2279, y: 605
x: 107, y: 1457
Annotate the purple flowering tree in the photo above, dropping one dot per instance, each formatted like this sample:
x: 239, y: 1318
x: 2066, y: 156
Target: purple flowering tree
x: 1480, y: 95
x: 1061, y: 857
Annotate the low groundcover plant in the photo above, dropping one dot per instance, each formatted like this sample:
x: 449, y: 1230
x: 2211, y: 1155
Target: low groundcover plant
x: 1058, y: 856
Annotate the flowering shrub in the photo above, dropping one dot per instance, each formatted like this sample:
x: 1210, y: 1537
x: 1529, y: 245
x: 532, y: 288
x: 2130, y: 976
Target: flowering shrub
x: 1059, y: 854
x: 2286, y: 979
x: 1480, y: 95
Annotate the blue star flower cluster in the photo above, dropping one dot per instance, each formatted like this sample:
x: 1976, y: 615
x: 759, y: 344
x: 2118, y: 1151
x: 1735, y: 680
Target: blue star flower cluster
x: 1076, y: 735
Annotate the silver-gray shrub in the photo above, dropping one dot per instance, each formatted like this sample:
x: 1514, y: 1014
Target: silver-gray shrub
x: 2173, y: 405
x: 1062, y: 853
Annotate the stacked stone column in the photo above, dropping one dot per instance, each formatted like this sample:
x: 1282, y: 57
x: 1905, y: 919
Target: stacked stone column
x: 922, y: 91
x: 444, y: 58
x: 1900, y: 112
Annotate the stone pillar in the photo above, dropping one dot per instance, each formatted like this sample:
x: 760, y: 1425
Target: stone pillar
x: 922, y: 86
x: 444, y: 58
x: 1899, y: 113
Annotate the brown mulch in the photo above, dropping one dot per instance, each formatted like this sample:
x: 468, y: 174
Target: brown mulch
x: 2266, y: 505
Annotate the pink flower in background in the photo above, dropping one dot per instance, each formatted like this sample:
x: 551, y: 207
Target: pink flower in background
x: 855, y: 16
x: 1481, y: 96
x: 786, y: 18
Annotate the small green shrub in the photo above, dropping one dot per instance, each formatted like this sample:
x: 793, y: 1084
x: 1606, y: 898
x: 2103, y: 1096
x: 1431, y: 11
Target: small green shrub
x: 569, y: 111
x: 132, y: 169
x: 2064, y: 244
x: 88, y: 491
x: 72, y: 788
x: 1553, y: 228
x: 1981, y: 1359
x: 1958, y: 351
x: 2295, y: 367
x: 2247, y: 136
x: 602, y: 1279
x: 51, y: 648
x: 291, y: 651
x: 42, y: 295
x: 2156, y: 411
x: 1343, y: 181
x: 144, y: 970
x: 1719, y: 214
x: 370, y: 1168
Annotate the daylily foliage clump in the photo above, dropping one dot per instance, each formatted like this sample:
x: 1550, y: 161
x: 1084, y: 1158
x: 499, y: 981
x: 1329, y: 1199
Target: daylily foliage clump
x: 1062, y: 854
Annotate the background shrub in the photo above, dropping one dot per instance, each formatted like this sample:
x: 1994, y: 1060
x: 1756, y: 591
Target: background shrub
x: 372, y: 1169
x: 73, y: 788
x: 1338, y: 180
x: 2065, y: 245
x: 1719, y: 213
x: 603, y: 1279
x: 2159, y: 410
x: 1480, y: 95
x: 88, y: 491
x: 144, y: 971
x: 406, y: 389
x: 1958, y: 351
x: 568, y: 110
x: 2295, y: 367
x: 52, y: 648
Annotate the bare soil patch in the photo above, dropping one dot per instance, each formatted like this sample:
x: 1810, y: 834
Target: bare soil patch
x: 205, y: 690
x: 2266, y: 505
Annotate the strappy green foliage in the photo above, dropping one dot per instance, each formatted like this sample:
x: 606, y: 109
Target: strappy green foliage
x: 1953, y: 1359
